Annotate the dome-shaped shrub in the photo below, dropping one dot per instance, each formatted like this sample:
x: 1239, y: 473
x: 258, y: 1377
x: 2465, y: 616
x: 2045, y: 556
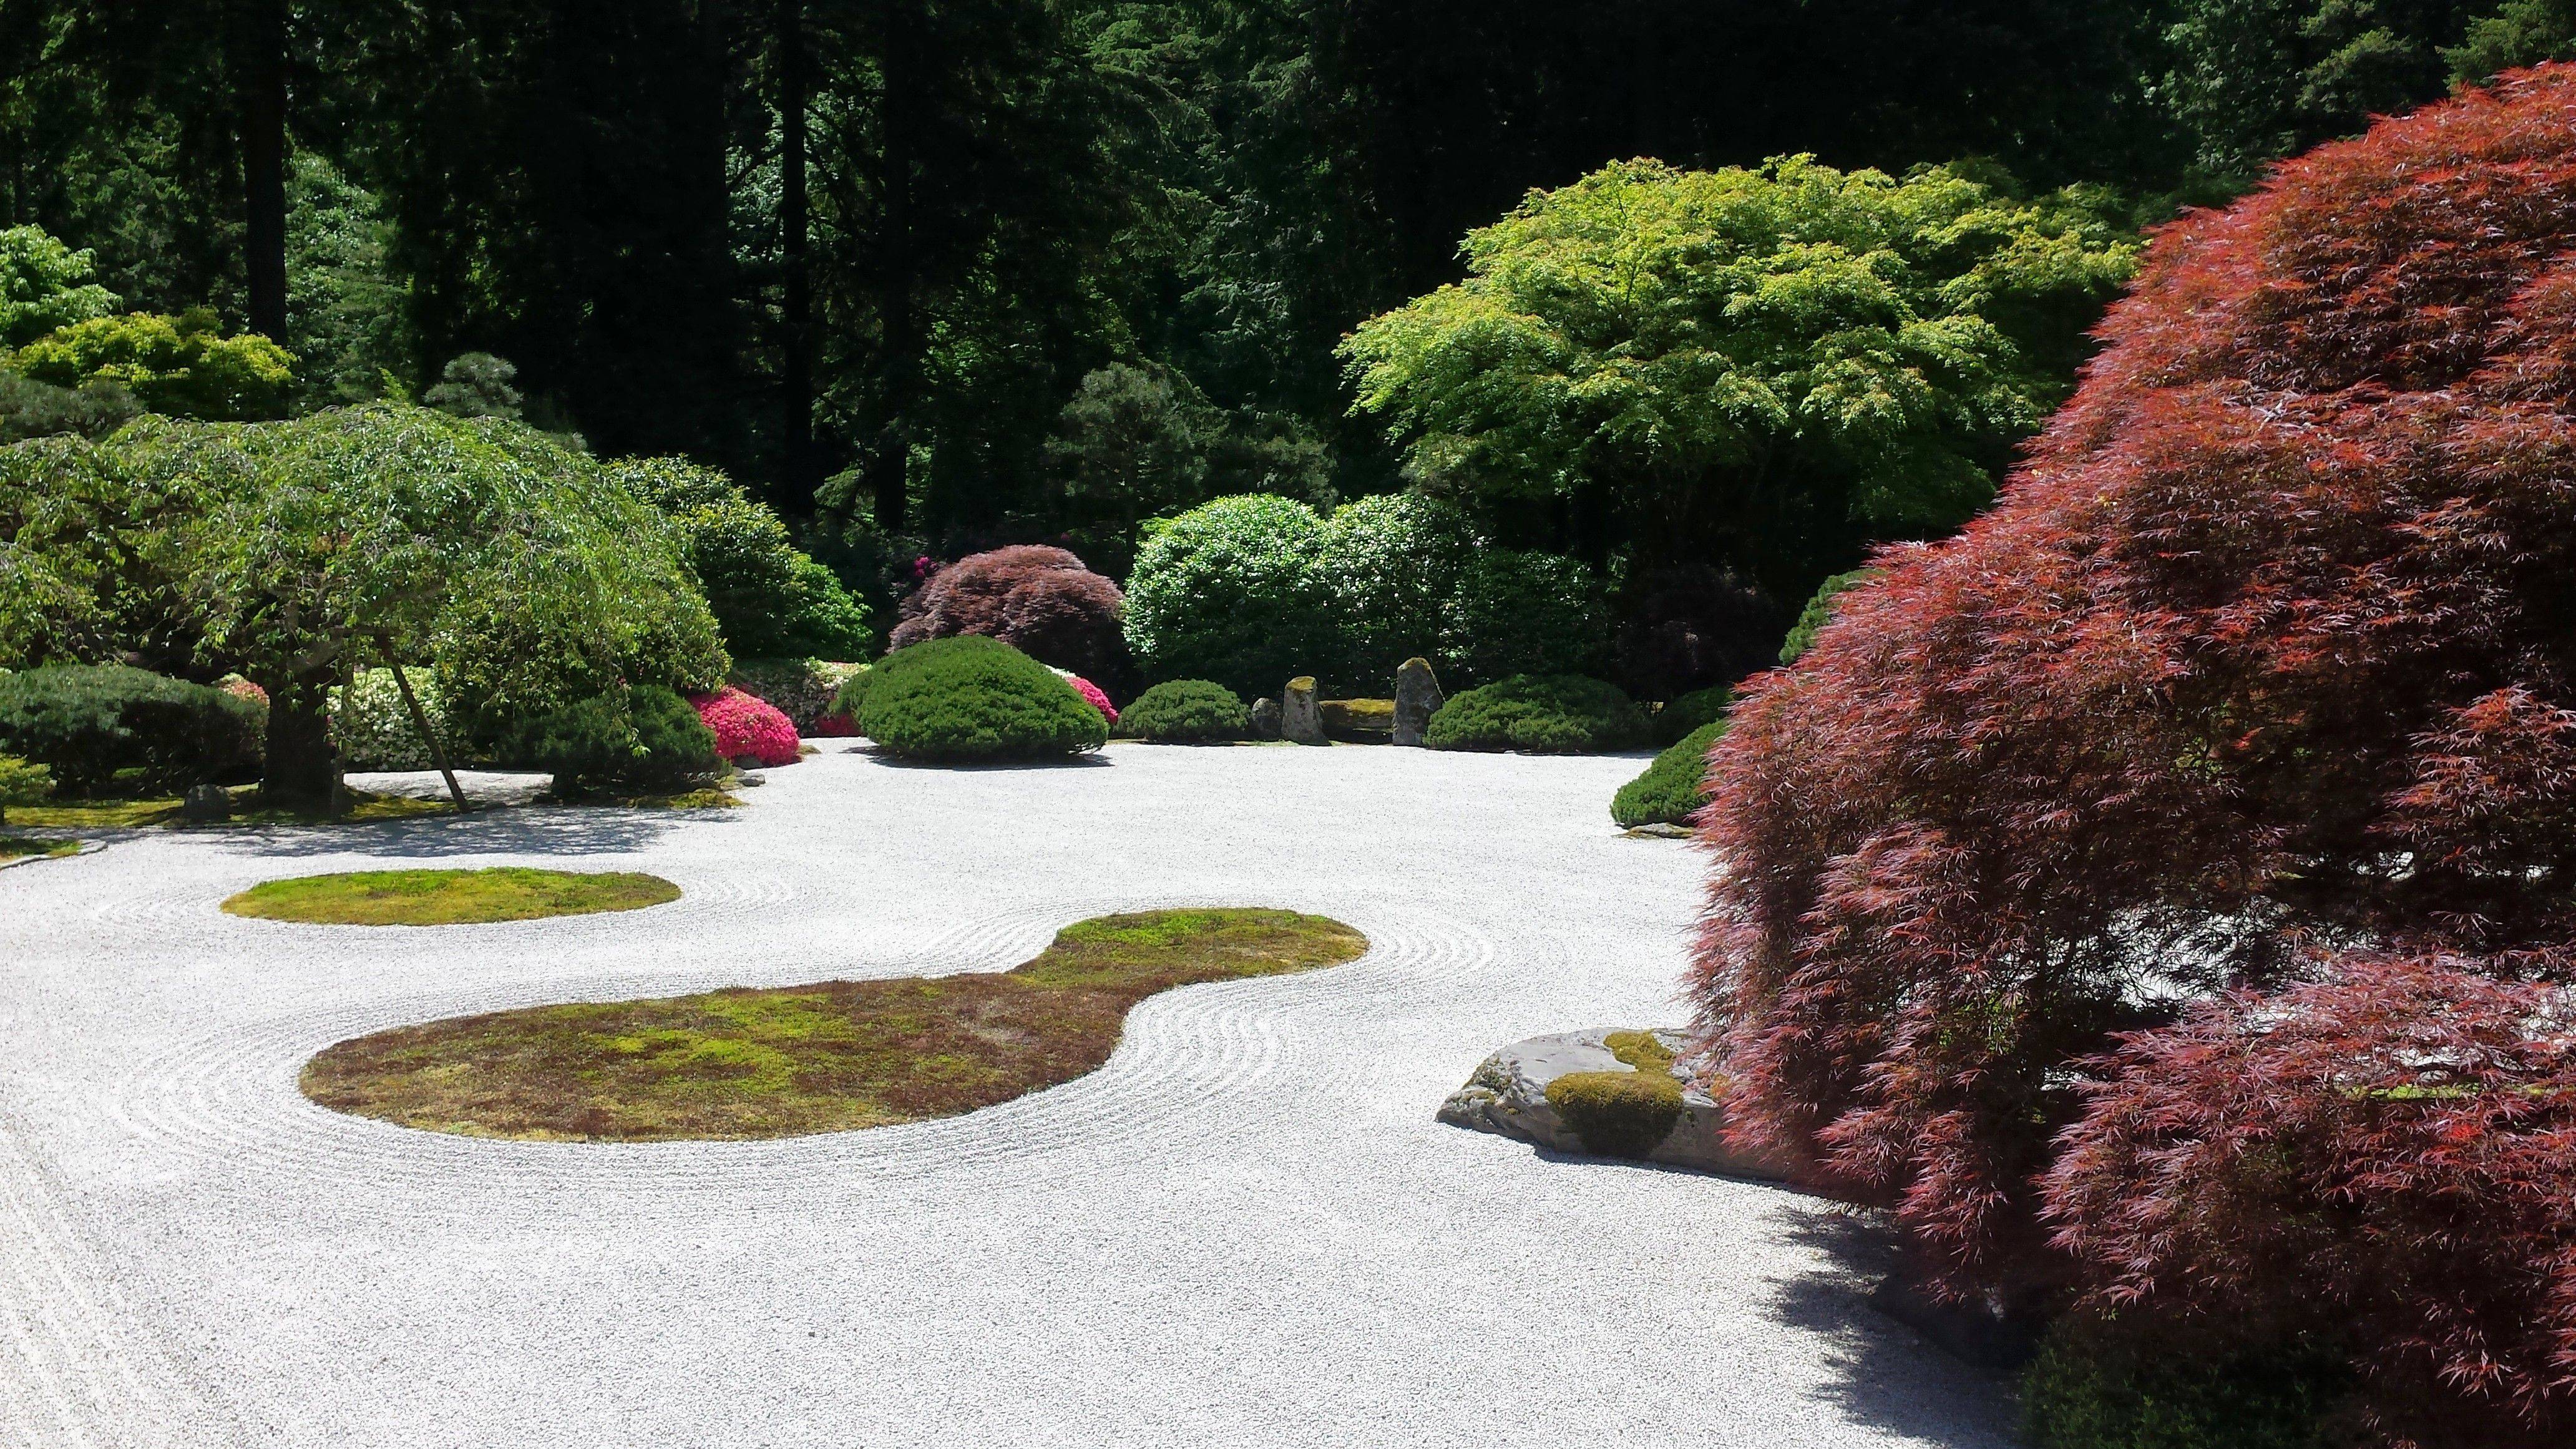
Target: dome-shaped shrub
x: 1185, y: 711
x: 1040, y: 601
x: 1672, y: 788
x: 972, y: 698
x: 2260, y: 678
x: 1387, y: 568
x: 1228, y: 591
x: 747, y: 727
x: 1686, y: 714
x: 642, y: 738
x: 91, y: 724
x: 1558, y: 714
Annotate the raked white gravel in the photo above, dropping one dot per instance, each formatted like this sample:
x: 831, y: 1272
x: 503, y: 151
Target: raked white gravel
x: 1246, y: 1229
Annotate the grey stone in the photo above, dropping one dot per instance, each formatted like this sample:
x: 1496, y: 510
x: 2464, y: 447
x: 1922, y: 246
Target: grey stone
x: 1507, y: 1096
x: 1417, y: 699
x: 1265, y: 719
x: 1299, y: 718
x: 206, y: 805
x: 1658, y: 830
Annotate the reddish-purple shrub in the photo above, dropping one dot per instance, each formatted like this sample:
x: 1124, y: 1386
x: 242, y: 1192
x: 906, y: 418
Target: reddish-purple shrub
x: 1040, y: 601
x: 2385, y: 1158
x: 2269, y: 647
x: 747, y: 726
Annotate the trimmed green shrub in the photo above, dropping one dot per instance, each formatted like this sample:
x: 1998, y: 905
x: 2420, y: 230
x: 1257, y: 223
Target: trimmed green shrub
x: 970, y: 698
x: 1185, y: 711
x: 374, y: 729
x: 98, y: 726
x: 1819, y: 612
x: 2087, y: 1391
x: 22, y: 783
x: 769, y: 599
x: 1672, y: 788
x: 1547, y: 713
x: 1686, y: 714
x: 1524, y: 613
x: 1229, y: 591
x: 644, y: 738
x: 852, y: 696
x: 1390, y: 569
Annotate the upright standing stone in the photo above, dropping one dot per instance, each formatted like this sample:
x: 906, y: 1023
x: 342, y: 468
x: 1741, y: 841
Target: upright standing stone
x: 1417, y: 699
x: 1299, y: 719
x: 206, y: 805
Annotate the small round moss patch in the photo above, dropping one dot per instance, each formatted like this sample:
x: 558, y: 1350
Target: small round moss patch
x: 785, y: 1061
x: 1622, y: 1114
x: 448, y: 897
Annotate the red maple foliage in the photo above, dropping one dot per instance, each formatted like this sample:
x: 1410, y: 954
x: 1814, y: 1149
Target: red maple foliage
x: 1039, y: 600
x: 2260, y: 667
x: 2386, y: 1158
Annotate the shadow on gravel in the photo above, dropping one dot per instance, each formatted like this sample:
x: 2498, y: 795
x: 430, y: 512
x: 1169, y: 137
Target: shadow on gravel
x: 1886, y: 1374
x: 522, y: 830
x: 1092, y: 761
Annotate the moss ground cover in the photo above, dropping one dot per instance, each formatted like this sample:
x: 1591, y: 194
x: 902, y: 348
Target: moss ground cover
x: 448, y: 897
x: 18, y: 847
x: 128, y: 814
x: 829, y: 1057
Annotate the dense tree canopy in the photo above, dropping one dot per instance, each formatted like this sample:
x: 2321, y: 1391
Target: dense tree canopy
x: 1749, y: 363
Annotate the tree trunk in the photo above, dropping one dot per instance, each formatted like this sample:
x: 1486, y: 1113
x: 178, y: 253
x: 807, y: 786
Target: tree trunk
x: 259, y: 82
x: 890, y: 462
x: 796, y: 371
x: 303, y: 766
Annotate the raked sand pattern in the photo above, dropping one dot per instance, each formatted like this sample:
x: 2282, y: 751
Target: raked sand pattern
x: 1245, y: 1230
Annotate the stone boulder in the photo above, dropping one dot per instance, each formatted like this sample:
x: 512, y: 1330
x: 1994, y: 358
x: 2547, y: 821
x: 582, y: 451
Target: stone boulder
x: 1595, y: 1113
x: 1300, y: 719
x: 1358, y: 721
x: 1265, y: 719
x: 1417, y: 699
x: 206, y: 805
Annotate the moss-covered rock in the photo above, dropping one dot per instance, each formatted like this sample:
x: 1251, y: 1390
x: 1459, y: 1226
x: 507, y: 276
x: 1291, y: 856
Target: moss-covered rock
x: 1672, y: 788
x: 1543, y: 713
x: 1358, y: 721
x: 969, y: 698
x: 1185, y: 711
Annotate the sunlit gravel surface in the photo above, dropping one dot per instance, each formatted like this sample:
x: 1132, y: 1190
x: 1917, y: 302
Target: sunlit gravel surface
x: 1246, y: 1229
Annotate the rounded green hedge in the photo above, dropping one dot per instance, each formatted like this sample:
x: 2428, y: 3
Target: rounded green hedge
x: 1819, y: 612
x: 1546, y: 713
x: 1185, y: 711
x: 644, y: 738
x: 1685, y: 715
x: 1672, y: 788
x: 1229, y: 591
x: 102, y: 726
x: 969, y: 698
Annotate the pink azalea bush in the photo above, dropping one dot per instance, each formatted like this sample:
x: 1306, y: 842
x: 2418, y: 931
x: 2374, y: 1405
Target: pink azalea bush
x: 1091, y: 691
x: 747, y: 725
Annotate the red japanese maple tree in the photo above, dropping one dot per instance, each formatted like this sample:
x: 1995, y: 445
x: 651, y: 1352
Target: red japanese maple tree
x: 2257, y: 678
x: 1039, y: 600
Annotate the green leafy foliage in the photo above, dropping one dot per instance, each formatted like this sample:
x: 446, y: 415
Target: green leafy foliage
x: 1228, y: 591
x: 1391, y: 568
x: 1185, y: 711
x: 1819, y: 612
x: 98, y: 727
x: 45, y: 285
x: 373, y: 729
x: 1746, y: 362
x: 22, y: 783
x: 1671, y: 790
x: 804, y: 690
x: 769, y: 599
x: 1681, y: 716
x: 1521, y: 612
x: 347, y: 311
x: 969, y: 698
x: 2521, y: 32
x: 180, y: 365
x: 1547, y: 714
x: 641, y: 739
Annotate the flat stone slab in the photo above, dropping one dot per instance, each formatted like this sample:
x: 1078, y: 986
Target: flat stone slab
x: 1507, y: 1095
x: 483, y: 787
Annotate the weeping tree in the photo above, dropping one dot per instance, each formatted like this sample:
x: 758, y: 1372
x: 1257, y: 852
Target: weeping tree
x: 386, y: 534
